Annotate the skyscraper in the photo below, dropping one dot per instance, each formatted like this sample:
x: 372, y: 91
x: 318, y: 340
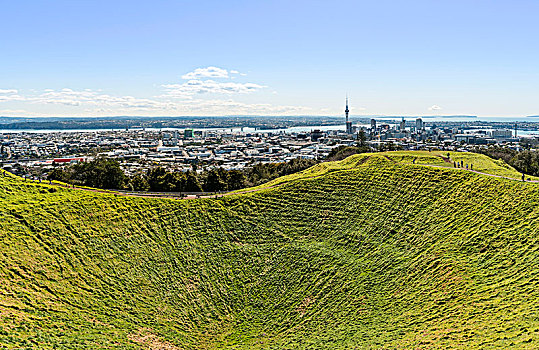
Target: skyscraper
x: 373, y: 125
x: 403, y: 125
x: 419, y: 124
x: 348, y: 123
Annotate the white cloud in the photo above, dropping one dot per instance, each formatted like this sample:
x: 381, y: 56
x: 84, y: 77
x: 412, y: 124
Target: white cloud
x: 208, y: 72
x: 434, y: 108
x: 8, y: 91
x: 211, y: 72
x: 10, y: 112
x: 197, y: 84
x: 177, y: 99
x: 92, y: 103
x: 224, y: 107
x: 87, y: 97
x: 193, y: 87
x: 10, y: 95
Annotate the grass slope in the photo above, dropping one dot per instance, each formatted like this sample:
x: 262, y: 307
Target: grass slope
x: 369, y: 252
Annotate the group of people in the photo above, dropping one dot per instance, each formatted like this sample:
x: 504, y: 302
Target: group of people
x: 32, y: 178
x: 470, y: 167
x: 462, y: 165
x: 35, y: 178
x: 455, y: 164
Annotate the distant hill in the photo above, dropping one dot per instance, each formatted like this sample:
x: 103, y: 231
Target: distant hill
x: 395, y: 250
x: 428, y: 116
x: 122, y: 122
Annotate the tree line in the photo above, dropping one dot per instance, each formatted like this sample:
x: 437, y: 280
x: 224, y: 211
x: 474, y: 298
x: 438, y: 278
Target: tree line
x: 526, y: 161
x: 107, y: 174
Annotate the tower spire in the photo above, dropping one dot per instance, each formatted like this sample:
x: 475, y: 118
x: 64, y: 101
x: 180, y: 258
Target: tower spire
x: 348, y: 123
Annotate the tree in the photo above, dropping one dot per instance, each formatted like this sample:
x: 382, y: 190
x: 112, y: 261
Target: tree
x: 259, y: 172
x: 214, y: 182
x: 191, y: 183
x: 59, y: 174
x: 172, y: 182
x: 236, y: 179
x: 361, y: 138
x: 139, y: 183
x: 109, y: 174
x: 527, y: 162
x: 155, y: 178
x: 498, y: 152
x: 99, y: 173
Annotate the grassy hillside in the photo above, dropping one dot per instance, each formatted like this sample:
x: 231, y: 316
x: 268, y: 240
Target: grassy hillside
x: 370, y: 252
x: 480, y: 163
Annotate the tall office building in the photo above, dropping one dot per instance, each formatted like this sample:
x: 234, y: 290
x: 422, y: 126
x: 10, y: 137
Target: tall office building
x: 419, y: 124
x: 403, y: 125
x: 373, y: 124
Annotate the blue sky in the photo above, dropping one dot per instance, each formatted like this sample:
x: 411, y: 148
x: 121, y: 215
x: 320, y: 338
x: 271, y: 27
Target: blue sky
x: 94, y: 58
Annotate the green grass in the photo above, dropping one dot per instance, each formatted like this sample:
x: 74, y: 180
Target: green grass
x: 480, y: 163
x: 365, y: 253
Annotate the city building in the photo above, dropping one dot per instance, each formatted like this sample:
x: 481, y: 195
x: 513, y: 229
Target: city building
x: 188, y: 133
x: 316, y: 135
x: 501, y: 134
x: 419, y: 124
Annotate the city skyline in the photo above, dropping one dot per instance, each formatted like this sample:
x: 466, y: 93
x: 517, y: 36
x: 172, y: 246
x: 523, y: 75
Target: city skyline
x: 212, y: 58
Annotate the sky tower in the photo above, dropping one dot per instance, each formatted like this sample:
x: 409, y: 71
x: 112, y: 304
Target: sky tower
x: 348, y: 123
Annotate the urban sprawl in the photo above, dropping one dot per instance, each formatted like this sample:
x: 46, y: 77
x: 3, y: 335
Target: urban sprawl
x: 138, y: 150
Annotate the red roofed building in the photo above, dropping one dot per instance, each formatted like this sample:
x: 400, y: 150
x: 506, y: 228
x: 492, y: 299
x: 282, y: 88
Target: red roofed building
x: 69, y: 160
